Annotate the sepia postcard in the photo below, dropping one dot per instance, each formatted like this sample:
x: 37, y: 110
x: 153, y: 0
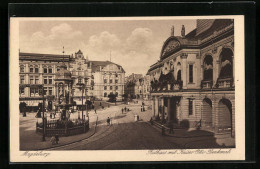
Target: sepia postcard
x: 116, y: 89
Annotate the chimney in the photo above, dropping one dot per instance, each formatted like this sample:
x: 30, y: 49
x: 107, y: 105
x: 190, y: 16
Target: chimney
x: 172, y: 31
x: 183, y: 31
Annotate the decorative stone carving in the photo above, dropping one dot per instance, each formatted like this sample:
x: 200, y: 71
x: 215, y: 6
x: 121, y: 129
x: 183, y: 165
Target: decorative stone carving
x: 171, y: 46
x: 184, y: 55
x: 215, y: 50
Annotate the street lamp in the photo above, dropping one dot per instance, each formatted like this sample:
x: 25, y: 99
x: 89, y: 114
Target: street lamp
x: 43, y: 118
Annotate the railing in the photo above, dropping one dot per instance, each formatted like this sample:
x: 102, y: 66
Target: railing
x: 175, y: 86
x: 225, y: 83
x: 63, y: 128
x: 206, y: 84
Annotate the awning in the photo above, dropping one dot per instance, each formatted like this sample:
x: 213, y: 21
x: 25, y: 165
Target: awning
x: 32, y: 102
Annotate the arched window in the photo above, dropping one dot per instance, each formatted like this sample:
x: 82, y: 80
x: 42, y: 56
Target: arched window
x: 226, y: 63
x: 179, y: 75
x: 208, y: 67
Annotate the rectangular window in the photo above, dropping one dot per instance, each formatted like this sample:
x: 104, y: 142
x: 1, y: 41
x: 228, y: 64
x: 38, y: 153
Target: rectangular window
x: 32, y: 90
x: 58, y: 69
x: 50, y: 80
x: 31, y: 70
x: 21, y: 79
x: 190, y: 106
x: 36, y: 70
x: 105, y: 80
x: 110, y: 81
x: 45, y: 70
x: 45, y: 80
x: 116, y: 87
x: 50, y: 70
x: 190, y: 73
x: 36, y: 79
x: 50, y: 91
x: 21, y: 69
x: 116, y: 81
x: 36, y: 91
x: 111, y: 87
x: 105, y: 88
x: 31, y: 79
x: 21, y: 90
x: 79, y: 80
x: 45, y: 90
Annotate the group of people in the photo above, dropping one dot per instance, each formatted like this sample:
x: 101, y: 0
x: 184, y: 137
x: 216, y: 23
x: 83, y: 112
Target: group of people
x: 125, y: 109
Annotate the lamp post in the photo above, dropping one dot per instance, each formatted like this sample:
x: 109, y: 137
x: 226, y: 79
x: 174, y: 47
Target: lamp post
x: 43, y: 120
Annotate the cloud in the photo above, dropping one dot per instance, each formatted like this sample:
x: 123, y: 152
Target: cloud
x: 104, y: 42
x: 136, y: 52
x: 62, y: 31
x: 140, y: 40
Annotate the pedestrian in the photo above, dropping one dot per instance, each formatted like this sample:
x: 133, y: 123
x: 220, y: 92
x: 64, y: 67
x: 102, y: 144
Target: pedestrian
x: 95, y: 111
x: 100, y: 104
x: 108, y: 121
x: 171, y: 128
x: 163, y: 130
x: 125, y: 109
x: 53, y: 140
x: 57, y: 139
x: 122, y: 110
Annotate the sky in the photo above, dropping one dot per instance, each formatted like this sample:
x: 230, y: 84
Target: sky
x: 133, y: 44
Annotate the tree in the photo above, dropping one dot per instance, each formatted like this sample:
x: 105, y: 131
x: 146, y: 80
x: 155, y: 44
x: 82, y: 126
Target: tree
x: 112, y: 97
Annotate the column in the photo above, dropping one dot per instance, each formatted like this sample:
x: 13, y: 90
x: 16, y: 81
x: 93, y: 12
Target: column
x: 216, y: 70
x: 153, y: 106
x: 169, y: 109
x: 162, y: 108
x: 184, y: 70
x: 198, y: 69
x: 216, y: 110
x: 157, y: 106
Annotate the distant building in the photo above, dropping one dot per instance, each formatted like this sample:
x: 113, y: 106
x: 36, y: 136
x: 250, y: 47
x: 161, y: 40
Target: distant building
x: 194, y: 79
x: 138, y: 86
x: 99, y: 78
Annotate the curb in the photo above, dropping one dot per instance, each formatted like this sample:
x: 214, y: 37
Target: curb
x: 180, y: 136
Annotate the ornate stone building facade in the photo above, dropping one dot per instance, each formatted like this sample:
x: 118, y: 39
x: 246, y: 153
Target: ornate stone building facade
x: 138, y: 86
x: 98, y: 78
x: 193, y: 81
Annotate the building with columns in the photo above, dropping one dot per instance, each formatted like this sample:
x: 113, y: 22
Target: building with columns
x: 193, y: 82
x: 98, y: 78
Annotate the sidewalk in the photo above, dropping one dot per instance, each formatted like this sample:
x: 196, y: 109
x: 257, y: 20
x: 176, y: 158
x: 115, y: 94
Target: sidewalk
x: 193, y: 138
x: 30, y: 140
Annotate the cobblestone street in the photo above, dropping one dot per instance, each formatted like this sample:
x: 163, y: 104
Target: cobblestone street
x: 124, y: 133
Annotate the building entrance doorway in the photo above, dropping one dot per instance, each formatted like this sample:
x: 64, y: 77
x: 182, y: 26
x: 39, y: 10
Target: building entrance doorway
x: 225, y: 115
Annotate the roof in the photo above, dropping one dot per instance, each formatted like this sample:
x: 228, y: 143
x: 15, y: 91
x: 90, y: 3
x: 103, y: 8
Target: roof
x: 79, y: 52
x: 96, y: 64
x: 43, y: 57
